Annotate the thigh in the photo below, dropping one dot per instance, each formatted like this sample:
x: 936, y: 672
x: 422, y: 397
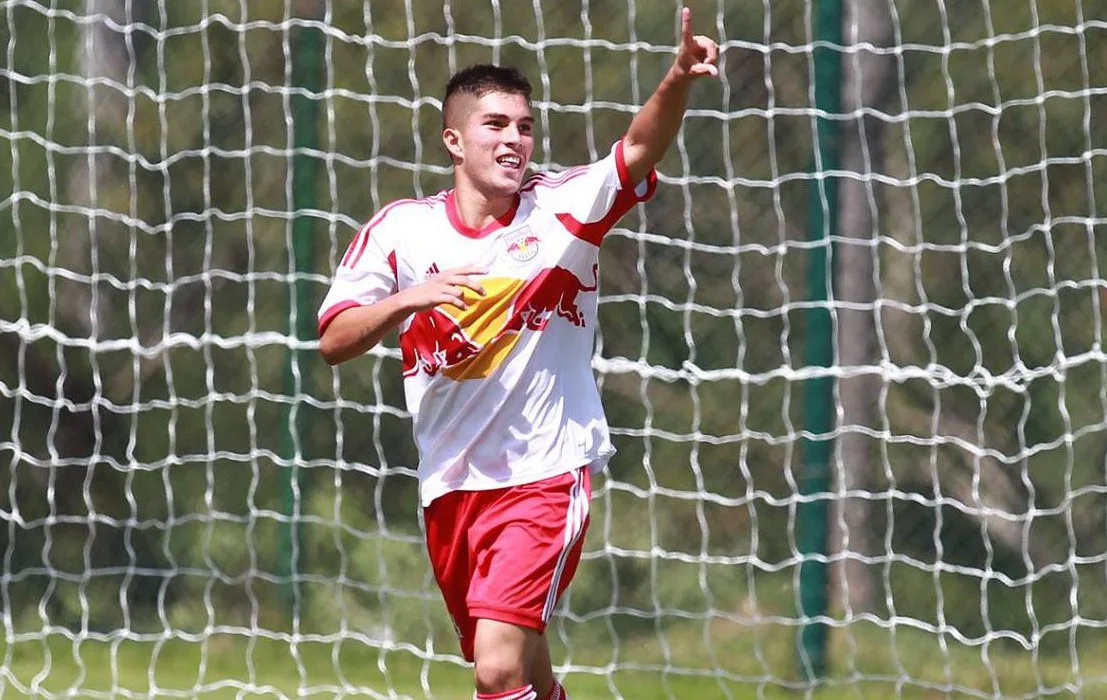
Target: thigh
x: 527, y: 548
x: 446, y: 523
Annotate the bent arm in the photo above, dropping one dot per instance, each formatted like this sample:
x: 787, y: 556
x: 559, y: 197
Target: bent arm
x: 358, y: 329
x: 355, y: 330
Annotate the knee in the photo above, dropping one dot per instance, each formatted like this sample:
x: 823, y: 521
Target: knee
x: 496, y: 673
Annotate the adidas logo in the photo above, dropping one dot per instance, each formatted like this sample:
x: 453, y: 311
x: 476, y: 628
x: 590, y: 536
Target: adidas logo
x: 432, y: 270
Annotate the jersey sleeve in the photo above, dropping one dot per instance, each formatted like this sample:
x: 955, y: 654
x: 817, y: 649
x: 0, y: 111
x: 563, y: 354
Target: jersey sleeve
x: 590, y: 199
x: 366, y: 274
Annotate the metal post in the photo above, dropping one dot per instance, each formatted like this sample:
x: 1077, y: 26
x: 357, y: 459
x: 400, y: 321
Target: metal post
x: 306, y: 68
x: 813, y: 511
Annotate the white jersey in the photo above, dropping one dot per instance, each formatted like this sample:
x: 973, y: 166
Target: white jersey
x: 503, y: 392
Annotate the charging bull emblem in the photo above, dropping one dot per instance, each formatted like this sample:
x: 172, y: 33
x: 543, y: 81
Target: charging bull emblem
x: 432, y: 341
x: 472, y: 343
x: 552, y: 292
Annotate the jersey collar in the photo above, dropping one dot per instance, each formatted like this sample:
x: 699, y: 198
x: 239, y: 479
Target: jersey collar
x: 469, y: 232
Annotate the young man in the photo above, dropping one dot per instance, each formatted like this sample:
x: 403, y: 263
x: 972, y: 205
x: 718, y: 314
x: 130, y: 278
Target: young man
x: 493, y: 288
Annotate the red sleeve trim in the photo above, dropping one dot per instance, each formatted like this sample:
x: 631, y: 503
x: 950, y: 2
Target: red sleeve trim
x: 625, y: 200
x: 621, y: 166
x: 331, y: 313
x: 624, y: 174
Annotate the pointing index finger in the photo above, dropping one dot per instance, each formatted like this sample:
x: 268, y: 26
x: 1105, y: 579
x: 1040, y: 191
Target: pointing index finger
x: 686, y: 26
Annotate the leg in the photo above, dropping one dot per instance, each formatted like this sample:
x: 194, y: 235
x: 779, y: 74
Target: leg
x: 541, y: 669
x: 527, y: 542
x: 446, y: 522
x: 504, y: 655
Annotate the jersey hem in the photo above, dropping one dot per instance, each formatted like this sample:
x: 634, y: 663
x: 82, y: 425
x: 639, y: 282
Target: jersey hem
x: 595, y: 464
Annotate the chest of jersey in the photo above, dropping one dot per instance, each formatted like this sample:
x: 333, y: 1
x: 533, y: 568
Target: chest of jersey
x: 533, y: 245
x: 538, y: 278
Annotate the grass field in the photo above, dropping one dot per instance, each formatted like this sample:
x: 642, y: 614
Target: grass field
x: 742, y: 647
x: 866, y: 663
x: 689, y: 632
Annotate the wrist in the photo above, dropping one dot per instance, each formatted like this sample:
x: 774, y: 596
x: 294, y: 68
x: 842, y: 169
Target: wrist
x: 402, y: 304
x: 678, y: 74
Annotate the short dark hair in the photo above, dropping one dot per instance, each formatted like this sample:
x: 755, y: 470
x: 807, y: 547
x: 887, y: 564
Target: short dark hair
x: 481, y: 79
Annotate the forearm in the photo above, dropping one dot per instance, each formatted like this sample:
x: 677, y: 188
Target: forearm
x: 654, y: 128
x: 357, y: 330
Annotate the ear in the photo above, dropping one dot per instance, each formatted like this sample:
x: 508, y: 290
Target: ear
x: 452, y: 139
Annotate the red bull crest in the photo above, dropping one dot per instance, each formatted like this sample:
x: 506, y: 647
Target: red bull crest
x: 521, y: 245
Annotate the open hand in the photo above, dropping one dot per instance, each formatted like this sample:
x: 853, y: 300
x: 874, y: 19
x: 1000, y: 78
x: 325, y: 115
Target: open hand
x: 447, y: 287
x: 697, y: 54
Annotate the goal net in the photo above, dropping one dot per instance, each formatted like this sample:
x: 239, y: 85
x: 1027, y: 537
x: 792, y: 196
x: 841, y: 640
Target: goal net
x: 193, y: 504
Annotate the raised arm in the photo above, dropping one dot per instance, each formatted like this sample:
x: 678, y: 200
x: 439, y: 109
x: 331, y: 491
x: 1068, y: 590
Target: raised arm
x: 653, y: 129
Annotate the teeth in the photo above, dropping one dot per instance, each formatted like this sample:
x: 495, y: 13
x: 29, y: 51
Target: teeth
x: 508, y: 160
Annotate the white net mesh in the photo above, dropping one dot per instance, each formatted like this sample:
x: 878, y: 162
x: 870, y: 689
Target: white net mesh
x: 195, y: 505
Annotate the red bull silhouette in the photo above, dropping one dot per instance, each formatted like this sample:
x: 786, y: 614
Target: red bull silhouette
x: 433, y: 341
x: 553, y: 291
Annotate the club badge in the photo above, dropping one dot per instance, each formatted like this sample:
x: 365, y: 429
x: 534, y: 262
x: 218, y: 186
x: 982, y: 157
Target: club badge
x: 521, y: 245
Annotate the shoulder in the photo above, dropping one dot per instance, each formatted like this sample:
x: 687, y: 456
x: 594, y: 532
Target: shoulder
x: 398, y: 215
x: 544, y: 182
x: 404, y: 209
x: 387, y: 227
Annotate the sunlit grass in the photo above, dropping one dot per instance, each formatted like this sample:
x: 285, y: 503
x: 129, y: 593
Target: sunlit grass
x: 683, y: 659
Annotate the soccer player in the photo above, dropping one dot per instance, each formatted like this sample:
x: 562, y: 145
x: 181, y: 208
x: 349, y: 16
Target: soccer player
x: 492, y: 285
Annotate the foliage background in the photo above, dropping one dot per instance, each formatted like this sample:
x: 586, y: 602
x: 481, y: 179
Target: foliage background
x: 144, y: 284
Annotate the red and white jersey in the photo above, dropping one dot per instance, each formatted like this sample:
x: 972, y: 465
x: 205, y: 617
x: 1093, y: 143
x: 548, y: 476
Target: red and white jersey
x: 503, y: 392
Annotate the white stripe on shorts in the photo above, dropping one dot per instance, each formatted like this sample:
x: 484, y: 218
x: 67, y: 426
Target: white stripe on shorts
x: 574, y: 528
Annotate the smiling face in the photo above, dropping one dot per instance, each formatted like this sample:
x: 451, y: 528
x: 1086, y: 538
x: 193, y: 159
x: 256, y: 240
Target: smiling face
x: 490, y: 139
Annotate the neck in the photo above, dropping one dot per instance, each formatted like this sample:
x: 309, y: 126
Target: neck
x: 478, y: 209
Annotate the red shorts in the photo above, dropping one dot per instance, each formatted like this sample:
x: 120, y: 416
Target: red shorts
x: 507, y: 554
